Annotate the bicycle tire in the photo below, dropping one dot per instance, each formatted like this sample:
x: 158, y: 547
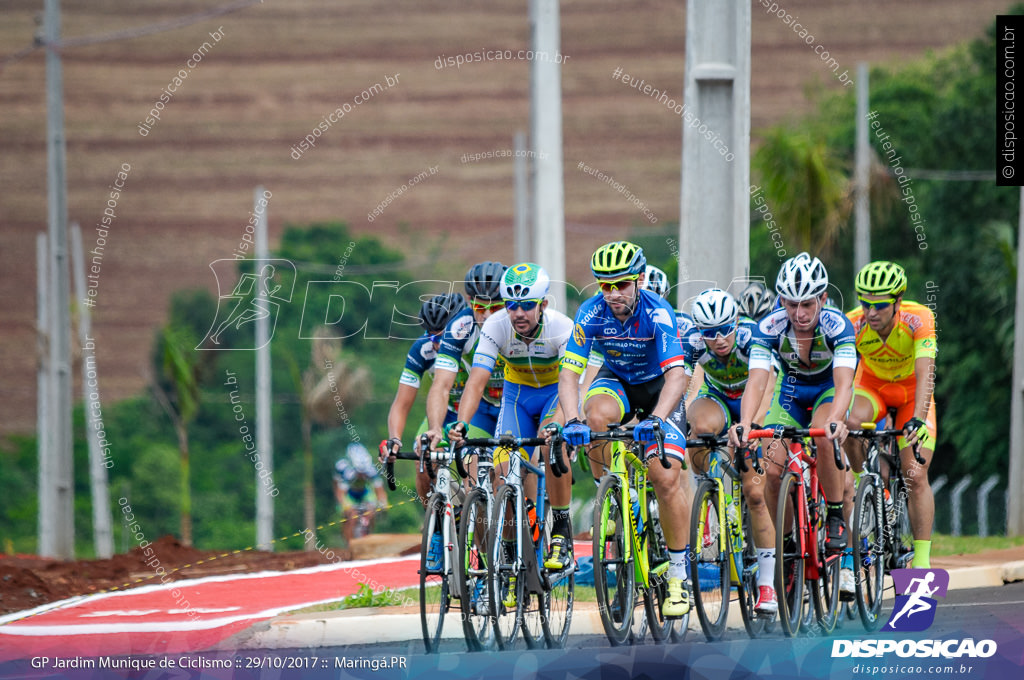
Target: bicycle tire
x: 746, y: 588
x: 474, y: 544
x: 435, y: 593
x: 902, y: 534
x: 711, y: 598
x: 789, y: 566
x: 868, y: 536
x: 559, y: 594
x: 500, y: 569
x: 615, y: 601
x: 825, y: 589
x: 662, y: 630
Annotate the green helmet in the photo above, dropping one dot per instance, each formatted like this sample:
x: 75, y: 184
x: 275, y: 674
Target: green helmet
x: 620, y: 258
x: 525, y: 281
x: 881, y: 278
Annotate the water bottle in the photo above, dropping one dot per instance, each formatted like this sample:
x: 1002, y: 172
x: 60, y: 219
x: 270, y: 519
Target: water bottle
x: 637, y: 518
x: 732, y: 510
x: 531, y: 515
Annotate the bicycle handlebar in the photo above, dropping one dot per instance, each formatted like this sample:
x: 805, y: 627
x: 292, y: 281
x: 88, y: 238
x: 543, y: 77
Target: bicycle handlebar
x: 624, y: 433
x: 389, y: 467
x: 790, y: 432
x: 875, y: 433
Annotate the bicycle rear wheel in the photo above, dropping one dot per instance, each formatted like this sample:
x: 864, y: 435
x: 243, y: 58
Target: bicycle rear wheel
x: 746, y: 589
x: 559, y: 595
x: 504, y: 574
x: 613, y: 565
x: 709, y: 565
x: 789, y: 559
x: 474, y: 593
x: 868, y: 539
x: 435, y: 593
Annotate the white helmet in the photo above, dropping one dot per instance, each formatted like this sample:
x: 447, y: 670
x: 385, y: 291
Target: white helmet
x: 525, y: 281
x: 714, y: 307
x: 656, y: 281
x: 801, y: 278
x: 756, y: 300
x: 360, y: 458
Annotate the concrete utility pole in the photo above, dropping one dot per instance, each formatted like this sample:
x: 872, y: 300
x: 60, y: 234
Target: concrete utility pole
x: 44, y: 400
x: 264, y: 414
x: 546, y: 143
x: 1015, y: 511
x: 862, y: 182
x: 714, y: 226
x: 522, y: 199
x: 103, y: 537
x: 62, y: 543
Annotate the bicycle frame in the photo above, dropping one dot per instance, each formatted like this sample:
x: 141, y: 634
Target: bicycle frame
x: 718, y: 466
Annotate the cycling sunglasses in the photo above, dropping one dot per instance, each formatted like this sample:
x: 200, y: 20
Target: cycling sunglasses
x: 718, y: 331
x: 617, y: 284
x: 486, y: 306
x: 876, y: 304
x: 525, y: 305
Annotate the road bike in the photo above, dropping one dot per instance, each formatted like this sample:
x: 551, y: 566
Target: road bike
x: 525, y: 596
x: 721, y: 537
x: 800, y: 533
x: 881, y: 534
x: 438, y: 582
x: 630, y: 553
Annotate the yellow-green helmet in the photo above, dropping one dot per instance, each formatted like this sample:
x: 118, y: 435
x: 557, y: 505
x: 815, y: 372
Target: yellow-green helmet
x: 881, y: 278
x: 619, y: 258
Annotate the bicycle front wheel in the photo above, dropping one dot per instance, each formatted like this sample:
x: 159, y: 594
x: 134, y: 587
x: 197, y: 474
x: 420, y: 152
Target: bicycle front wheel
x: 504, y: 572
x: 613, y: 565
x: 868, y: 538
x: 560, y: 591
x: 709, y: 567
x: 474, y: 593
x: 747, y: 586
x: 662, y: 629
x: 789, y: 559
x: 435, y: 593
x: 825, y: 590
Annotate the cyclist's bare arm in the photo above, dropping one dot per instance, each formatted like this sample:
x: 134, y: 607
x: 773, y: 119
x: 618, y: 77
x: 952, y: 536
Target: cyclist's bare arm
x: 766, y: 398
x: 842, y: 376
x: 757, y: 382
x: 671, y: 392
x: 474, y: 392
x: 569, y: 393
x: 399, y: 412
x: 924, y: 374
x: 437, y: 398
x: 694, y: 384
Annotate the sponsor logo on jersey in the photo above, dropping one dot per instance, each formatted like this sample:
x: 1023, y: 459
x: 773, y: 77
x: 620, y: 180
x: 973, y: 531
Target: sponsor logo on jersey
x: 578, y: 335
x: 927, y: 343
x: 427, y: 351
x: 662, y: 316
x: 832, y: 322
x: 462, y: 327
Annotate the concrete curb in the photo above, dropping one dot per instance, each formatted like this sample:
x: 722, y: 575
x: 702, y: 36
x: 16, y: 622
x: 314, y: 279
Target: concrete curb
x: 364, y: 626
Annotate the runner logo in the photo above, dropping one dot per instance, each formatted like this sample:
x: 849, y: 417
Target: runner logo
x: 914, y: 610
x: 254, y: 296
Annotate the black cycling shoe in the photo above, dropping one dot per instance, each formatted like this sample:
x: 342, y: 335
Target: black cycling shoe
x: 837, y: 535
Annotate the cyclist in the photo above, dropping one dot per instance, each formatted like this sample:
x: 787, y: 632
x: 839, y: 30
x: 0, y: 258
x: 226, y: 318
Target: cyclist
x: 354, y: 475
x: 897, y: 344
x: 643, y: 375
x: 531, y: 339
x: 756, y: 301
x: 815, y: 346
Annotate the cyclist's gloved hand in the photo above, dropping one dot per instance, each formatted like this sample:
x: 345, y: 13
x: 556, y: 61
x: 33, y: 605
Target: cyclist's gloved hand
x: 914, y: 425
x: 644, y: 432
x: 576, y: 433
x: 459, y: 428
x: 389, y: 446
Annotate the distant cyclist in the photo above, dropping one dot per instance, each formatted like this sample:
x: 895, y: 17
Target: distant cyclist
x: 897, y: 344
x: 354, y: 476
x: 756, y: 301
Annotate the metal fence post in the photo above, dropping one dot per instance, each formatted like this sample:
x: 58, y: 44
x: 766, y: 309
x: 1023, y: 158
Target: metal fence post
x: 958, y: 492
x: 983, y: 493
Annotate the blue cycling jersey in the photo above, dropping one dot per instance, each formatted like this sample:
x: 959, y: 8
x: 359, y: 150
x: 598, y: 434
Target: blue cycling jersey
x: 833, y: 345
x: 636, y: 350
x: 455, y: 354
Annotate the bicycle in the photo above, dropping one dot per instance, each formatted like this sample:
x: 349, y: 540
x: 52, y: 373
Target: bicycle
x: 723, y: 547
x: 438, y: 584
x: 881, y: 534
x: 800, y: 533
x: 626, y: 566
x: 543, y: 598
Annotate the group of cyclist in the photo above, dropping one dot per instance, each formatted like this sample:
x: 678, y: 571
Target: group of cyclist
x: 509, y: 363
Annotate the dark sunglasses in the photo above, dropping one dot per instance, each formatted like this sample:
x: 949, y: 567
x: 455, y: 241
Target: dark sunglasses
x: 485, y: 306
x: 525, y: 305
x: 712, y: 333
x: 877, y: 304
x: 617, y: 284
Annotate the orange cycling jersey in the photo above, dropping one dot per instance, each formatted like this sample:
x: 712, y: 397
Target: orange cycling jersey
x: 912, y: 337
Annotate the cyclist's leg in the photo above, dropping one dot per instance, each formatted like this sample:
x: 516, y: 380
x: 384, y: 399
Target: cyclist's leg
x: 920, y: 500
x: 867, y: 407
x: 483, y: 425
x: 423, y: 482
x: 707, y: 415
x: 605, y: 403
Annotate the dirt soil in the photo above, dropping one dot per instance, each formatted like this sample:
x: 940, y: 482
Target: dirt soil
x: 28, y: 581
